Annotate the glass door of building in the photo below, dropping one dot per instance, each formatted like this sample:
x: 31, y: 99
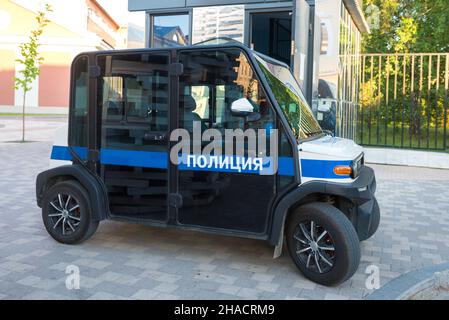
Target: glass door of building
x: 271, y: 34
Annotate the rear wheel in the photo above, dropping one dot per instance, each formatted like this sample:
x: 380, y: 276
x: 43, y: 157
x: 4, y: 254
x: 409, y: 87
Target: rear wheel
x: 323, y: 243
x: 66, y: 213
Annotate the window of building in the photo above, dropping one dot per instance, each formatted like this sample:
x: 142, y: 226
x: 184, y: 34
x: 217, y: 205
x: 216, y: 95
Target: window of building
x: 170, y: 30
x: 218, y: 22
x: 349, y: 76
x: 271, y: 34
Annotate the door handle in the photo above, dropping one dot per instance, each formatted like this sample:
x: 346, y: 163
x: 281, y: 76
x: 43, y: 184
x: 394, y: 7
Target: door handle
x: 151, y: 111
x: 154, y: 136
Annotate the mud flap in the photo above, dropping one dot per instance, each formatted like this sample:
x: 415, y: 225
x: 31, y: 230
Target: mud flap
x: 278, y: 248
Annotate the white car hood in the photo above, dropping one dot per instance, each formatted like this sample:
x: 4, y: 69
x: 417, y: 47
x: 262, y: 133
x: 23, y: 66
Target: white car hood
x: 333, y: 147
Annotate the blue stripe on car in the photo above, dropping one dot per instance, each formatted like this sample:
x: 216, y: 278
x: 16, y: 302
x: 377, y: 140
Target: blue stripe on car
x: 131, y: 158
x: 158, y: 160
x: 324, y: 169
x: 63, y: 153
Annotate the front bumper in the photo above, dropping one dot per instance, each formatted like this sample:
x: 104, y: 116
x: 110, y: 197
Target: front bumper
x: 361, y: 194
x: 361, y: 190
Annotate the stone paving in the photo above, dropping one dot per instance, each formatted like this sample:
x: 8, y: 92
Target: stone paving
x: 127, y: 261
x: 37, y: 128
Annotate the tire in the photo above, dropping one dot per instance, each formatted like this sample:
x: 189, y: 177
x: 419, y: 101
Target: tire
x: 342, y: 261
x: 375, y: 220
x: 68, y: 203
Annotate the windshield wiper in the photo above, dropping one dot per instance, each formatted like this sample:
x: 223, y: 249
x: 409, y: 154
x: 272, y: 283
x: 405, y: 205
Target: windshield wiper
x: 313, y: 133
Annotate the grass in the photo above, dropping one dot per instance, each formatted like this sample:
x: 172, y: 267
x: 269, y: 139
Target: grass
x: 392, y: 137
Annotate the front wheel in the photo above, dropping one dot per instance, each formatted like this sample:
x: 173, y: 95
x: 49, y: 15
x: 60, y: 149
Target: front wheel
x: 323, y: 243
x: 66, y: 213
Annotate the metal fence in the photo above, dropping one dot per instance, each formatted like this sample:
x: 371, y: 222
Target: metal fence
x: 404, y: 101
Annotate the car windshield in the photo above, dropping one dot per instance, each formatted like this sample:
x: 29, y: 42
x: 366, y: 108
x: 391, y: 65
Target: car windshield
x: 291, y: 100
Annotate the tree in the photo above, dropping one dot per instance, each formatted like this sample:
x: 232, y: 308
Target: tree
x: 408, y: 26
x: 30, y: 60
x: 403, y: 27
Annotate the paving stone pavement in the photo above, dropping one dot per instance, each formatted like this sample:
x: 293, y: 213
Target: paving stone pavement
x: 127, y: 261
x: 37, y: 128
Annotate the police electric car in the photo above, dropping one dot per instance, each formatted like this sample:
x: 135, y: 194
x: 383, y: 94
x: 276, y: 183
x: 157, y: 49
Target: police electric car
x: 116, y: 163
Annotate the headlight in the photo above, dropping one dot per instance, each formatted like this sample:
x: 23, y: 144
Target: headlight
x: 356, y: 166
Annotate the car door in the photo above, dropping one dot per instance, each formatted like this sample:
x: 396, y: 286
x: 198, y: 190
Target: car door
x: 225, y: 199
x: 133, y: 96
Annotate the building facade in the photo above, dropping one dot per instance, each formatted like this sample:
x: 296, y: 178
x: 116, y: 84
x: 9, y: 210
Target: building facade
x: 342, y: 25
x: 320, y: 40
x: 75, y: 26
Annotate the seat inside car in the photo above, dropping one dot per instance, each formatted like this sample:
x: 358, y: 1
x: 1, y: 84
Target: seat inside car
x: 188, y: 115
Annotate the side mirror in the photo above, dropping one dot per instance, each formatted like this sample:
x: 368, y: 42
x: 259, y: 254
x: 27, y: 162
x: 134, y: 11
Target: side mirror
x: 242, y: 108
x: 324, y: 108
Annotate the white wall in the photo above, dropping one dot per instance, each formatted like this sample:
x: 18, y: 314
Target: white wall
x: 401, y: 157
x: 71, y: 14
x: 329, y: 13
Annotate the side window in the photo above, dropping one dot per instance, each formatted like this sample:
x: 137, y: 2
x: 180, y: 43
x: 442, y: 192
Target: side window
x: 286, y: 162
x: 78, y: 125
x: 133, y: 94
x: 211, y: 82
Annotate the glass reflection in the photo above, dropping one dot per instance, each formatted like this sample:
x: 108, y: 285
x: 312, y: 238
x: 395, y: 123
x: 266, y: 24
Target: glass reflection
x: 170, y: 30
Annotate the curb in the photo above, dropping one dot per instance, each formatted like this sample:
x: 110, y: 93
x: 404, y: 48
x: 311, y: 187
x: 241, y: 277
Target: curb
x: 407, y: 284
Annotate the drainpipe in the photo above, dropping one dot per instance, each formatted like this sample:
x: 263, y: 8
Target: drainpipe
x: 310, y: 52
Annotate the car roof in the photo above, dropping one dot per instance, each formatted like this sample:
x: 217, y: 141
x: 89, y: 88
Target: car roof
x: 201, y: 45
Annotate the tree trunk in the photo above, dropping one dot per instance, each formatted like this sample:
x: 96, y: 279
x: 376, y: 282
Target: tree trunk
x: 23, y: 115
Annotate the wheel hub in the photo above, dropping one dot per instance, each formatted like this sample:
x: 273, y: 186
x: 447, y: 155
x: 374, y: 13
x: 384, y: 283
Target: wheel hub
x: 314, y: 247
x: 65, y: 213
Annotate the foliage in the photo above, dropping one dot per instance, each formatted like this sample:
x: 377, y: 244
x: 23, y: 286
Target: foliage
x: 407, y: 26
x: 405, y: 92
